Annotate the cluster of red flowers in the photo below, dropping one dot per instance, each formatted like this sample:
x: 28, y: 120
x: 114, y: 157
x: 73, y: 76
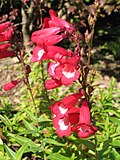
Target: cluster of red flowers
x: 6, y: 31
x: 63, y: 70
x: 64, y: 66
x: 67, y: 117
x: 71, y: 114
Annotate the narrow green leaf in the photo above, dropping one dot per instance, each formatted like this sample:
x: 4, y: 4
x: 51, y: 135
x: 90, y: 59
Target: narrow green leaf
x: 88, y: 144
x: 21, y: 151
x: 107, y: 123
x: 30, y: 126
x: 52, y: 141
x: 113, y: 112
x: 11, y: 154
x: 5, y: 120
x: 22, y: 140
x: 30, y: 115
x: 42, y: 118
x: 115, y: 120
x: 115, y: 154
x: 17, y: 117
x: 57, y: 156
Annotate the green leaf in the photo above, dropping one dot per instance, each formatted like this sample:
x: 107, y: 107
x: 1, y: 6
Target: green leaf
x: 113, y: 112
x: 30, y: 115
x: 57, y: 156
x: 115, y: 143
x: 11, y: 154
x: 51, y: 141
x: 42, y: 118
x: 5, y: 120
x: 87, y: 143
x: 22, y: 140
x: 30, y: 126
x: 21, y: 151
x: 115, y: 154
x: 17, y: 117
x: 107, y: 123
x: 104, y: 148
x: 115, y: 120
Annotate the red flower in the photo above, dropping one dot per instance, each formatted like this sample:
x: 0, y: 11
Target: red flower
x: 63, y: 124
x: 4, y: 26
x: 84, y: 128
x: 10, y: 85
x: 60, y: 108
x: 48, y: 36
x: 47, y: 52
x: 50, y: 40
x: 55, y: 21
x: 4, y: 52
x: 51, y: 69
x: 63, y: 127
x: 65, y: 114
x: 6, y: 36
x: 52, y: 83
x: 66, y: 71
x: 6, y: 30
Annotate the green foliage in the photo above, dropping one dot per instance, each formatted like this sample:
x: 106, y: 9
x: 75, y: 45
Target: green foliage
x: 24, y: 133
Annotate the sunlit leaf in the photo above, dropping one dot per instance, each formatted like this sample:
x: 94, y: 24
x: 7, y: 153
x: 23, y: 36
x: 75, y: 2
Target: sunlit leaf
x: 21, y: 151
x: 57, y: 156
x: 52, y: 141
x: 10, y: 152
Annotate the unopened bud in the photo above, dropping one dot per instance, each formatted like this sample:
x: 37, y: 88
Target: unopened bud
x: 28, y: 70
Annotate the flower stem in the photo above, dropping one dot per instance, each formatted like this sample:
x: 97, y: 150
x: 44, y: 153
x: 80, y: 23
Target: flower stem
x: 26, y: 81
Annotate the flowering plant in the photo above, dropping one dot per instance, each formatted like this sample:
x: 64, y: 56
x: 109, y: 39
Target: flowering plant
x: 59, y: 114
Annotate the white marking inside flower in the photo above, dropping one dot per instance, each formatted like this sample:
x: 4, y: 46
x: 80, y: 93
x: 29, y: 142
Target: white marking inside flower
x: 68, y: 74
x: 40, y: 53
x: 54, y: 116
x: 54, y: 66
x: 63, y: 110
x: 62, y: 125
x: 80, y: 129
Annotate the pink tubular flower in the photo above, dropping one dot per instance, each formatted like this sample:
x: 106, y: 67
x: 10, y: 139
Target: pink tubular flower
x: 4, y: 26
x: 10, y: 85
x: 4, y: 52
x: 47, y: 52
x: 6, y: 30
x: 52, y: 83
x: 47, y: 36
x: 46, y: 32
x: 55, y: 21
x: 67, y: 72
x: 65, y: 114
x: 50, y: 40
x: 63, y: 127
x: 60, y: 108
x: 63, y: 124
x: 7, y: 35
x: 84, y: 128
